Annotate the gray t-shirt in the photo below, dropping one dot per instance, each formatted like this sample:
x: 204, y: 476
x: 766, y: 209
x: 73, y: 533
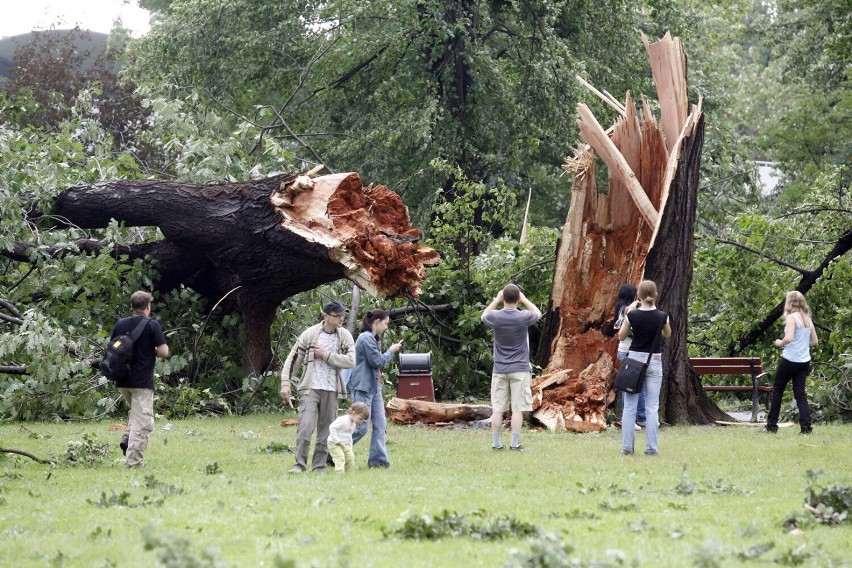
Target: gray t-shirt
x: 511, y: 339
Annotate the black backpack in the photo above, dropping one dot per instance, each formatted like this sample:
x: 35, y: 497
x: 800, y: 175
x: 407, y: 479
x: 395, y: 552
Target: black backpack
x: 119, y: 352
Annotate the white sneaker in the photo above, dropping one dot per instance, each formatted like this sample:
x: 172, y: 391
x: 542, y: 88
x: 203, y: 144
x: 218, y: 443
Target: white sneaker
x: 637, y: 427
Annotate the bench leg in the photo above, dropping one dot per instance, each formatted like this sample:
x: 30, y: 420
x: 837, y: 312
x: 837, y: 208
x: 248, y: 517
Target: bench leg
x: 755, y: 398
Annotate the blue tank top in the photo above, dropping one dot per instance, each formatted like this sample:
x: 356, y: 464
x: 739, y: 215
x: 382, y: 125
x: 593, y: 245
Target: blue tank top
x: 799, y: 350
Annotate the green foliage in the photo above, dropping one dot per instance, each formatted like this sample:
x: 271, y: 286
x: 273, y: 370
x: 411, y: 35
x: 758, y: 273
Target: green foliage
x: 462, y: 364
x: 830, y: 504
x: 485, y: 97
x: 448, y: 524
x: 174, y: 551
x: 88, y: 451
x: 276, y: 448
x: 114, y: 500
x: 385, y: 87
x: 688, y: 487
x: 734, y: 288
x: 547, y: 550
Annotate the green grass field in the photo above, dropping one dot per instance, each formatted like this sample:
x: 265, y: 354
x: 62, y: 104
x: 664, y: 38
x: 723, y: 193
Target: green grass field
x: 215, y: 492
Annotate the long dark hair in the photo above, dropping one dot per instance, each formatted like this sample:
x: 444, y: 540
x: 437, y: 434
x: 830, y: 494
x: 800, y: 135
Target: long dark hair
x: 371, y: 317
x: 626, y: 296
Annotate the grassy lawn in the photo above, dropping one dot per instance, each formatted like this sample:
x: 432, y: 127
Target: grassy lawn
x: 215, y: 492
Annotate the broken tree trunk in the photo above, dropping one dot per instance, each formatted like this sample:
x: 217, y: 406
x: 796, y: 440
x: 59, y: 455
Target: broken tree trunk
x: 266, y: 239
x: 640, y: 228
x: 405, y: 411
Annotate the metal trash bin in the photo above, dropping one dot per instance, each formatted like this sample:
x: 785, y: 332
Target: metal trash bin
x: 415, y: 377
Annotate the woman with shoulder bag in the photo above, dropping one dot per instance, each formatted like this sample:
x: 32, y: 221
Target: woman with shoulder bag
x: 648, y: 324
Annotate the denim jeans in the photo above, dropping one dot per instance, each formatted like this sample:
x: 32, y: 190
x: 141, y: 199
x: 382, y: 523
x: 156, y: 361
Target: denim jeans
x: 378, y: 449
x: 798, y: 373
x: 653, y: 384
x: 640, y: 414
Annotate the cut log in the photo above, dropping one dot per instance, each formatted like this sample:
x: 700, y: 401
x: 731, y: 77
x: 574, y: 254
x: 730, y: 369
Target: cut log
x: 269, y: 239
x: 405, y: 411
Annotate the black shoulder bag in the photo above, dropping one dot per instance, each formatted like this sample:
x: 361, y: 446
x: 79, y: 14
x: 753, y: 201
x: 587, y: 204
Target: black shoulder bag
x: 631, y: 374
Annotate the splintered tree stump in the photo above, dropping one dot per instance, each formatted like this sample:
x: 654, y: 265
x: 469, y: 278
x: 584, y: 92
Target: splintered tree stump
x: 405, y: 411
x: 264, y: 240
x: 647, y: 212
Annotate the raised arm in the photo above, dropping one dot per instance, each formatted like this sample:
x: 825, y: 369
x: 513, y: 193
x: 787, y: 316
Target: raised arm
x: 493, y: 305
x: 530, y: 306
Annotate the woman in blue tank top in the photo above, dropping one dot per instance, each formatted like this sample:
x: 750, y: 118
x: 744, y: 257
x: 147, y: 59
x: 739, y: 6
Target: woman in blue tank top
x: 795, y: 364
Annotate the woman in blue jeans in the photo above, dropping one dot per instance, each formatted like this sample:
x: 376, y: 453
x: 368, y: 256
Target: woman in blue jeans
x: 646, y: 322
x: 364, y: 383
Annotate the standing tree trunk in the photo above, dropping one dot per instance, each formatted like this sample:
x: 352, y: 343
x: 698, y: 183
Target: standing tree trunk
x: 266, y: 239
x: 669, y: 264
x: 641, y: 228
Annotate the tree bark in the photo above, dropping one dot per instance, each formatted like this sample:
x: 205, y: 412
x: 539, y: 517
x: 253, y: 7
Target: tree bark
x: 269, y: 238
x: 405, y: 411
x: 669, y: 264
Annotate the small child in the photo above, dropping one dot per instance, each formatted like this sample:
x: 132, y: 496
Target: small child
x: 340, y: 436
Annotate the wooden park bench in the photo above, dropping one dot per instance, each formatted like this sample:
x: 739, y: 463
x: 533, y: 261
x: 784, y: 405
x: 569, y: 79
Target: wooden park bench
x: 750, y: 366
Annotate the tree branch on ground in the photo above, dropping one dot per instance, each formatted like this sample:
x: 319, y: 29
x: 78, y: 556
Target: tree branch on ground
x: 27, y: 454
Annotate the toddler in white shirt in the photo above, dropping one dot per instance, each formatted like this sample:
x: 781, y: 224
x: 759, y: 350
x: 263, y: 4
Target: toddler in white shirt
x: 340, y: 436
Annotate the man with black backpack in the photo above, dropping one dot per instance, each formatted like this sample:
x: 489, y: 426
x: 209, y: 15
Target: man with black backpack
x: 137, y: 385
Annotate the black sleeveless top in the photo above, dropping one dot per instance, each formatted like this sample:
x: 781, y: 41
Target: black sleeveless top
x: 644, y: 325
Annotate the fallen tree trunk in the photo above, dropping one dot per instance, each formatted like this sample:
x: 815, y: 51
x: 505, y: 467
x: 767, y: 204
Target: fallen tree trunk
x: 640, y: 228
x: 266, y: 239
x: 405, y: 411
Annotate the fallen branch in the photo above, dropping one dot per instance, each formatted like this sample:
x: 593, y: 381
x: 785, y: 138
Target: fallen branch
x: 27, y: 454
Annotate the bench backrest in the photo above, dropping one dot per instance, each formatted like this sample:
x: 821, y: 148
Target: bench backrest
x: 726, y: 365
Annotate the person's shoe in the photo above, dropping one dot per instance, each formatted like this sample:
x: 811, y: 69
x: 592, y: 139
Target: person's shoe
x: 807, y: 431
x: 123, y: 444
x: 378, y: 465
x: 296, y: 469
x: 647, y: 453
x: 637, y: 427
x: 770, y: 429
x: 498, y: 447
x: 518, y: 448
x: 626, y: 453
x: 640, y: 423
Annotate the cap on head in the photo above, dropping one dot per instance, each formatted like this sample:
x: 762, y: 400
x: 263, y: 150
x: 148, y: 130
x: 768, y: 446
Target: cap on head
x: 333, y: 308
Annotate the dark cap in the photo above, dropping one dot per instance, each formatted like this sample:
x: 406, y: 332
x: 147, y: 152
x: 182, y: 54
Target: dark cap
x: 333, y: 308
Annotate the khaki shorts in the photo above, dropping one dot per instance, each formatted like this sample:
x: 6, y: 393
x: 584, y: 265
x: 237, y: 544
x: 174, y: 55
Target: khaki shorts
x: 516, y: 385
